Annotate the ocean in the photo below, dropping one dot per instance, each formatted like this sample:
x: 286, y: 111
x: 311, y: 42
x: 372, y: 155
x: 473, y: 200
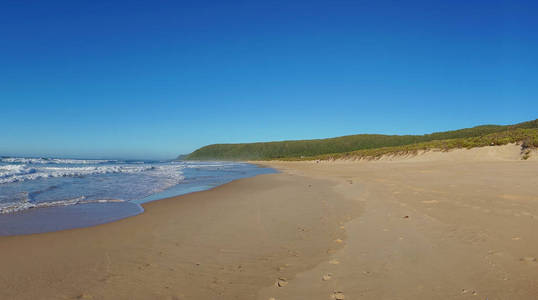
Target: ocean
x: 48, y: 194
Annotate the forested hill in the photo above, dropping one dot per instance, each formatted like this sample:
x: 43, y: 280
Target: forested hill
x: 496, y: 134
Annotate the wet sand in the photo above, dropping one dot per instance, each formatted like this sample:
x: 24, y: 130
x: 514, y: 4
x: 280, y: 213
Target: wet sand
x: 431, y: 229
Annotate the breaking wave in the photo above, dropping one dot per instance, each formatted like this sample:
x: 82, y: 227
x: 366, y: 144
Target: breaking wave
x: 23, y: 185
x: 30, y: 183
x: 18, y: 173
x: 41, y: 160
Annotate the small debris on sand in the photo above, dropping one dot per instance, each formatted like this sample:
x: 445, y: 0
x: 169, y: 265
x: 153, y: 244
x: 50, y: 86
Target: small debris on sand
x: 338, y: 241
x: 326, y: 277
x: 405, y: 217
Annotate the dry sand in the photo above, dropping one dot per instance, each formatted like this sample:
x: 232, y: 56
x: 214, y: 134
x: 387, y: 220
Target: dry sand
x: 435, y: 226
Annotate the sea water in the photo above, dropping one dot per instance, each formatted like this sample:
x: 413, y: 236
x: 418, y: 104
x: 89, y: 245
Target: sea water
x: 48, y: 194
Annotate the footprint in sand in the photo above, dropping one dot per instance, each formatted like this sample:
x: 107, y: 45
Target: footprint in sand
x: 282, y: 268
x: 334, y: 262
x: 464, y: 291
x: 281, y: 282
x: 302, y: 229
x: 430, y: 201
x: 338, y: 296
x: 528, y: 259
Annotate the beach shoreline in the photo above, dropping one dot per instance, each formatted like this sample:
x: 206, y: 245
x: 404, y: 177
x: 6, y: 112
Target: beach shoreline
x: 424, y: 229
x: 53, y: 204
x: 152, y: 247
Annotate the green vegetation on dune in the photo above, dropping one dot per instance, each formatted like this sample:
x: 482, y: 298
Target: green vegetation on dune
x: 371, y: 145
x: 528, y: 138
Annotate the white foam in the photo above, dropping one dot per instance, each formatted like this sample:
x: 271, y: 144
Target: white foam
x: 172, y: 172
x: 17, y: 173
x: 14, y: 170
x: 216, y: 164
x: 24, y: 160
x: 24, y: 205
x: 157, y: 176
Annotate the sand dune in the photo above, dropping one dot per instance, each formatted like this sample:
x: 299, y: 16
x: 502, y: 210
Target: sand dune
x: 509, y: 152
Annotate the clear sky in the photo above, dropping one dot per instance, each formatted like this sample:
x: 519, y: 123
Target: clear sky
x: 153, y: 79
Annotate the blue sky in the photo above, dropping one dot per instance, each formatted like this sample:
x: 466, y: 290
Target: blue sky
x: 153, y: 79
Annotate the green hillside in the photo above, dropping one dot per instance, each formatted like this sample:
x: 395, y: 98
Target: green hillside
x: 350, y: 145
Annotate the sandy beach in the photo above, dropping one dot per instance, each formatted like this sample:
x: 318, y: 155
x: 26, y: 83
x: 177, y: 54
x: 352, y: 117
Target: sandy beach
x: 269, y: 150
x: 457, y: 225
